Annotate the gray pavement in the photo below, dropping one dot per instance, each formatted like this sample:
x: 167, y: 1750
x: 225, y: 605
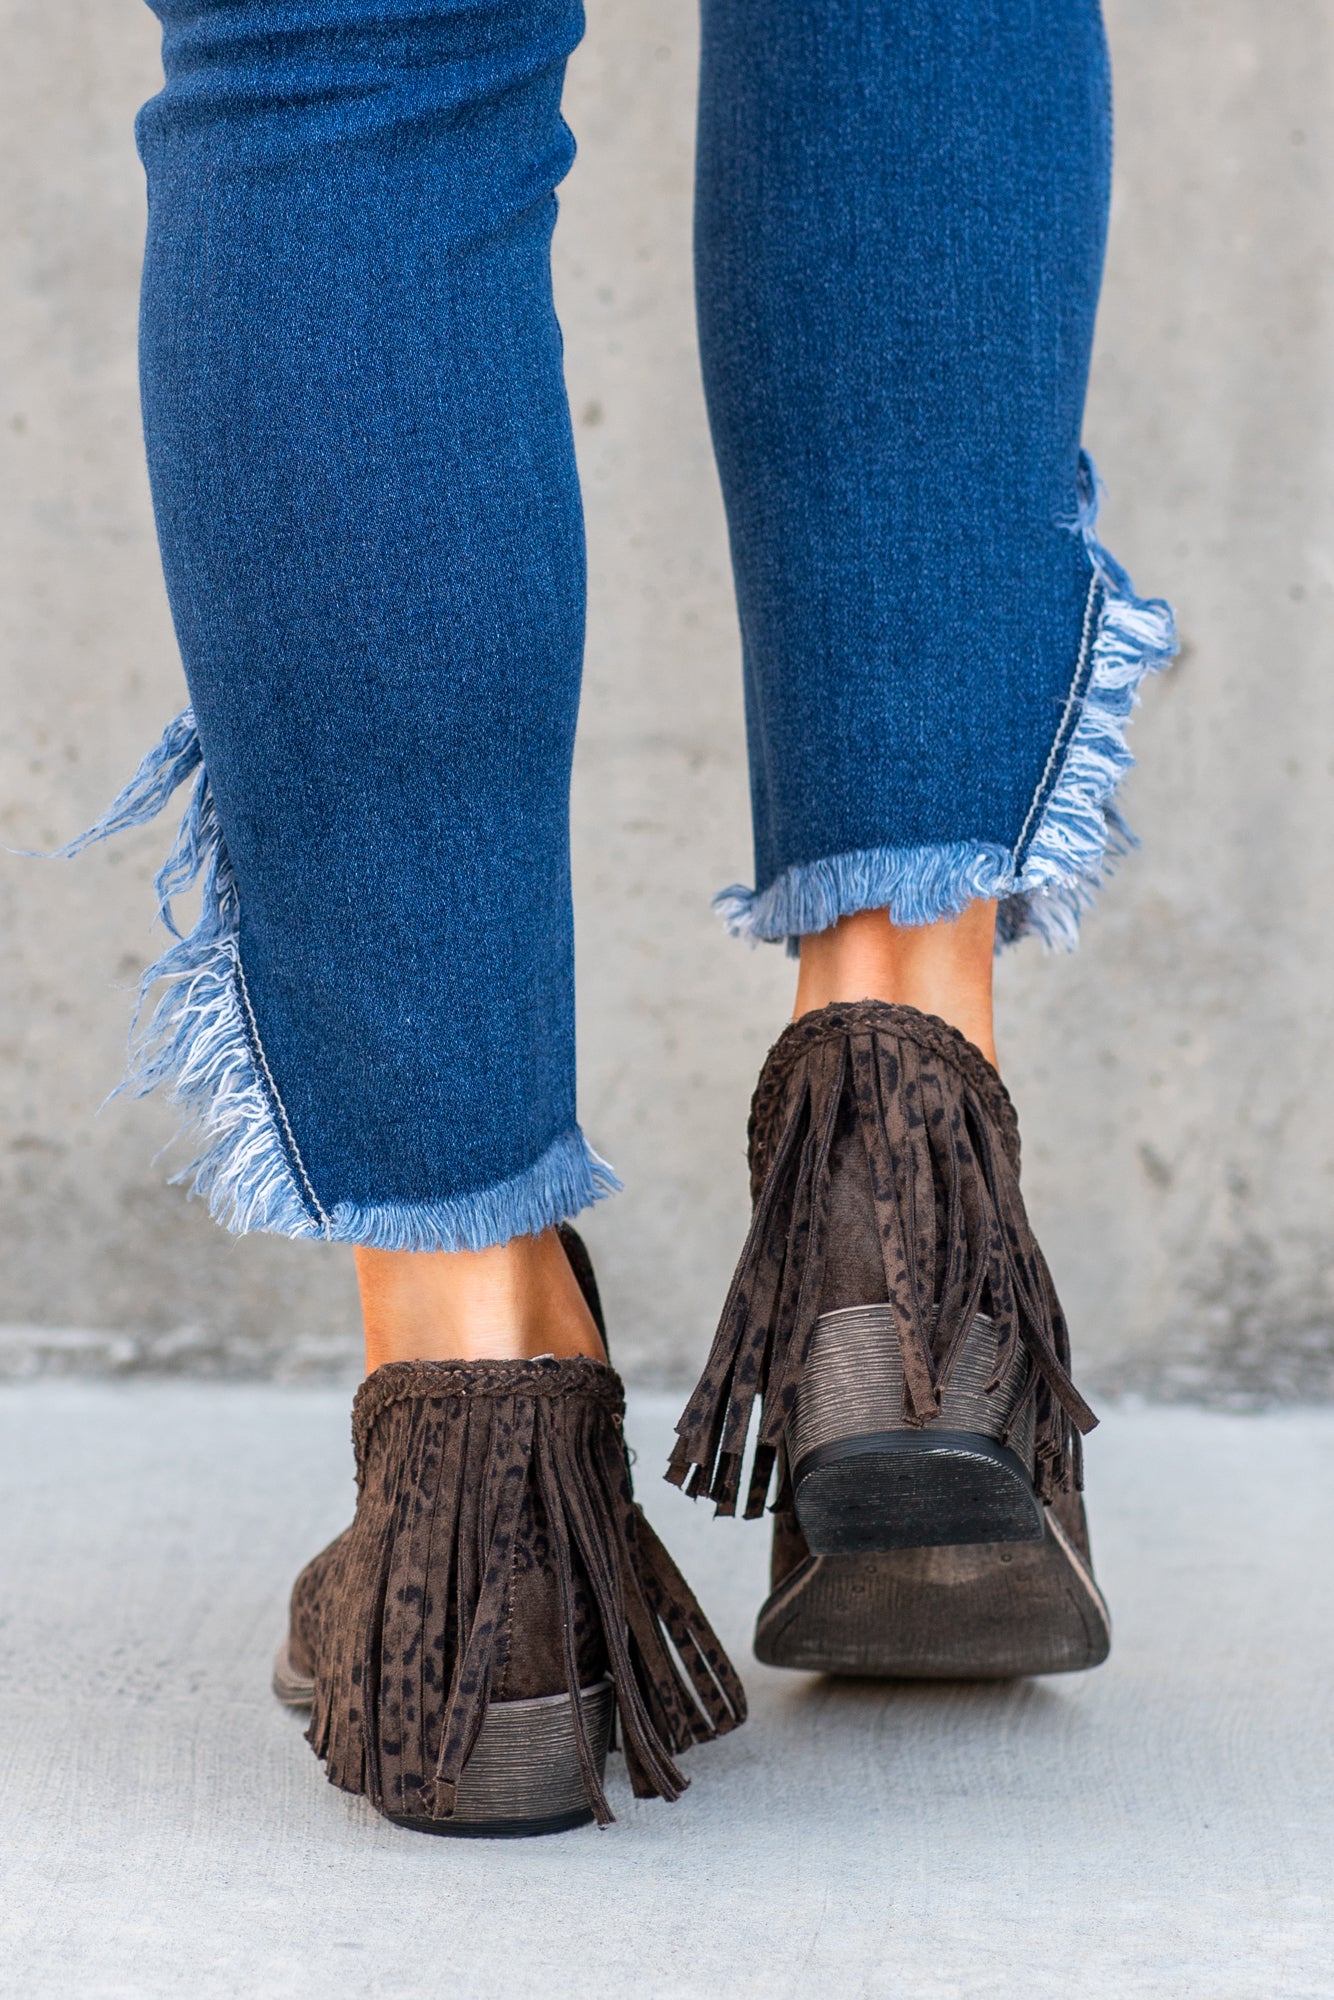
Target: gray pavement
x: 1164, y: 1827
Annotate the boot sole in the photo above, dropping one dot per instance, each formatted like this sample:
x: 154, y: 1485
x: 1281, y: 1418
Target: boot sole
x: 523, y: 1778
x: 293, y: 1689
x: 909, y: 1489
x: 986, y: 1611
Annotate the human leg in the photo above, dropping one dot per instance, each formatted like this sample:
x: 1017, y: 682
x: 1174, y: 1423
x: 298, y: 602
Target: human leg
x: 942, y: 968
x: 901, y: 213
x: 364, y: 480
x: 507, y: 1303
x: 364, y: 484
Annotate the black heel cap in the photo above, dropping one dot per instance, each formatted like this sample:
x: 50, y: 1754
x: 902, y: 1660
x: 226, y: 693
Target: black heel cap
x: 913, y: 1489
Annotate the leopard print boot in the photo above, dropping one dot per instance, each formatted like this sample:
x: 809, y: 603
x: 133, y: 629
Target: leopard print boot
x: 467, y: 1646
x: 895, y: 1322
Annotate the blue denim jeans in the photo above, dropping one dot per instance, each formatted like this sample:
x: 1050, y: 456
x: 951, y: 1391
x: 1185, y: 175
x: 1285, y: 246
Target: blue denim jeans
x: 366, y: 496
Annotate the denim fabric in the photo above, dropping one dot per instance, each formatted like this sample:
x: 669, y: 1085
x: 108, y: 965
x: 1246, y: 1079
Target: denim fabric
x: 900, y: 223
x: 364, y: 481
x: 363, y: 471
x: 896, y: 315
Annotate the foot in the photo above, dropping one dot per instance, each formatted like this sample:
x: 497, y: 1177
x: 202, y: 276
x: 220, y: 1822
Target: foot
x: 498, y: 1598
x: 894, y: 1319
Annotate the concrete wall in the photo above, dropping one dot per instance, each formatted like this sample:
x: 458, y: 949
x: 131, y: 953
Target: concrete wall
x: 1174, y: 1078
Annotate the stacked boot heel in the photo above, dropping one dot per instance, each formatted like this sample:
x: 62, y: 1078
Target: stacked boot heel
x: 500, y: 1609
x: 921, y: 1441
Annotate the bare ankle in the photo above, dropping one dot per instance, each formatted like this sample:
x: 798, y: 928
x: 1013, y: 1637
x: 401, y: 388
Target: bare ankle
x: 508, y: 1303
x: 942, y: 968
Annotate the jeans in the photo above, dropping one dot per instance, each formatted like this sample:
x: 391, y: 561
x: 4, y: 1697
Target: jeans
x: 365, y: 489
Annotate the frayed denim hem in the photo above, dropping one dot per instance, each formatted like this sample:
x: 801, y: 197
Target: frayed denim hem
x: 568, y: 1177
x: 917, y: 885
x: 201, y: 1047
x: 1073, y: 831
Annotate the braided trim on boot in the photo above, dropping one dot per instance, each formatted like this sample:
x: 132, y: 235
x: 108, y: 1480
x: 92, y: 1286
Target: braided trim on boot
x: 456, y: 1461
x: 848, y: 1017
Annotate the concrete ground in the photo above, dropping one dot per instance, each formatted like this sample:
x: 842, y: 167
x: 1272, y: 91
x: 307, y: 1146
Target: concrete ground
x: 1164, y: 1827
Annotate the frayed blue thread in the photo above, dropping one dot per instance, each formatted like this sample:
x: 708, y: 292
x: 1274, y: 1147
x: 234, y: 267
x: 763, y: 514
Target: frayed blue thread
x: 196, y: 1047
x: 165, y: 768
x: 1080, y: 833
x: 201, y: 1048
x: 1074, y: 832
x: 568, y: 1176
x: 917, y: 885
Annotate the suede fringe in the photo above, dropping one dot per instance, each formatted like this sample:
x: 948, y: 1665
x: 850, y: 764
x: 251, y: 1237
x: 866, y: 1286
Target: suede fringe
x: 942, y: 1143
x: 447, y: 1458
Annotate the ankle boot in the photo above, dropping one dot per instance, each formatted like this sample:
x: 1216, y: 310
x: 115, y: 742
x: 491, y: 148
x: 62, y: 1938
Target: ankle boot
x: 498, y: 1606
x: 895, y: 1322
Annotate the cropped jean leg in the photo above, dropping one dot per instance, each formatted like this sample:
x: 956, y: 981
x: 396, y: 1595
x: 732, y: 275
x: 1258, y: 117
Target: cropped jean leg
x: 365, y: 491
x: 364, y: 481
x: 901, y: 212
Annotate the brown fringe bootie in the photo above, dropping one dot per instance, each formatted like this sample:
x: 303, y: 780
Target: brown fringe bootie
x: 895, y: 1321
x: 498, y: 1602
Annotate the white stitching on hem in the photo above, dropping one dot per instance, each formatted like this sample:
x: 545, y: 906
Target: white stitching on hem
x: 1059, y: 746
x: 278, y: 1104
